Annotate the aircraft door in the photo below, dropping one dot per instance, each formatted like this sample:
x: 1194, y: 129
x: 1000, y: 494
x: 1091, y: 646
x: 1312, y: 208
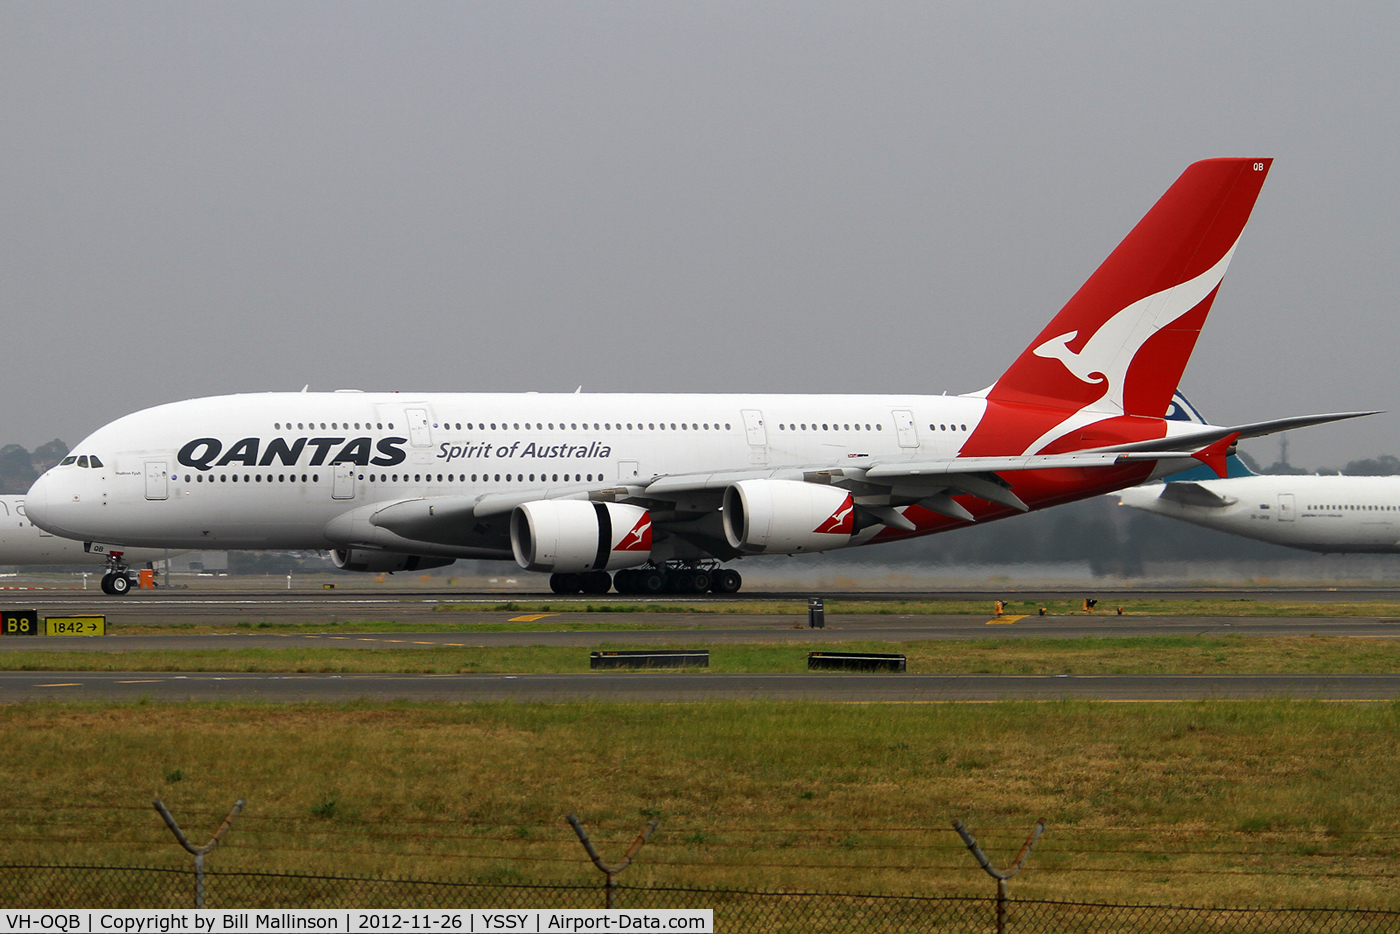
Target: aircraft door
x: 342, y: 481
x: 1286, y: 509
x: 157, y: 480
x: 419, y: 434
x: 627, y: 470
x: 904, y: 428
x: 757, y: 435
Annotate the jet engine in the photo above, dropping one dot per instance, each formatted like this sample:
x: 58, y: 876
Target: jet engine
x: 380, y: 562
x: 568, y: 536
x: 787, y: 517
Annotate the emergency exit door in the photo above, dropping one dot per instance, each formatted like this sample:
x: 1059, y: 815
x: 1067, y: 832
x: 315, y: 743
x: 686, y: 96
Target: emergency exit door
x: 1286, y: 509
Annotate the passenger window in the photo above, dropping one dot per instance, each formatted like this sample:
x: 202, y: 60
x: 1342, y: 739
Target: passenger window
x: 417, y: 478
x: 556, y: 478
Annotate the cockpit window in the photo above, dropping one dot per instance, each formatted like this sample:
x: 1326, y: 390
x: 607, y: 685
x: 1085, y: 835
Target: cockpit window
x: 70, y: 459
x: 83, y: 461
x: 94, y: 462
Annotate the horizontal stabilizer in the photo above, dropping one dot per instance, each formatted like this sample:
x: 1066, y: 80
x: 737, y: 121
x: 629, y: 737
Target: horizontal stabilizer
x: 1198, y: 439
x: 1189, y: 493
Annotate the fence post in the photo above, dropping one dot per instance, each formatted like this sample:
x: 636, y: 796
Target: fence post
x: 199, y: 851
x: 611, y: 870
x: 997, y: 874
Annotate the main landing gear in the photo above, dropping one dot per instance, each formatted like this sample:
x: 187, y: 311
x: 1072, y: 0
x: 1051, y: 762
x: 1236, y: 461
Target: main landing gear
x: 117, y: 581
x: 673, y: 577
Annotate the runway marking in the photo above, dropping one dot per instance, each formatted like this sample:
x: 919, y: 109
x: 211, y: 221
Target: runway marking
x: 460, y: 645
x: 394, y: 640
x: 69, y: 684
x: 144, y: 681
x: 368, y: 640
x: 531, y: 618
x: 339, y: 637
x: 1004, y: 620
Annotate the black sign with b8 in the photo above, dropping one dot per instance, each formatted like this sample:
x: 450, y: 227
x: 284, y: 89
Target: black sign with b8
x: 20, y: 623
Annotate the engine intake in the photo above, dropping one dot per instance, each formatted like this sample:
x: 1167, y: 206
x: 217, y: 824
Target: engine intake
x: 568, y: 536
x: 380, y: 562
x: 787, y: 517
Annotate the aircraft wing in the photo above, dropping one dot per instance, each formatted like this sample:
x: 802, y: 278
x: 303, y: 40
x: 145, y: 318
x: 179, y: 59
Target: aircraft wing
x: 877, y: 485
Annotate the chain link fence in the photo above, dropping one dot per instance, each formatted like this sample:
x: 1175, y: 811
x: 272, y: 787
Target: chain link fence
x: 25, y: 886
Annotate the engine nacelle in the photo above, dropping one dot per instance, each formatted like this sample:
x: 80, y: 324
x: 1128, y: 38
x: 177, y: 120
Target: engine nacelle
x: 787, y: 517
x: 381, y: 562
x: 568, y: 535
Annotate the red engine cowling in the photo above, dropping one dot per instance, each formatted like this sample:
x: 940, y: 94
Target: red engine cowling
x: 380, y: 562
x: 787, y: 517
x: 568, y: 536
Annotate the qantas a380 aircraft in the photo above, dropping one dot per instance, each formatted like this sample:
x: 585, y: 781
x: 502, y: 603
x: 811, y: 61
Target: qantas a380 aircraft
x: 663, y: 488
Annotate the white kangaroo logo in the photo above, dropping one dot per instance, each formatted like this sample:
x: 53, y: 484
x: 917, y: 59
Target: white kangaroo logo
x: 1107, y: 356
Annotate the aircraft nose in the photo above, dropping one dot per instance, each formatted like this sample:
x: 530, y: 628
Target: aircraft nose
x: 37, y: 503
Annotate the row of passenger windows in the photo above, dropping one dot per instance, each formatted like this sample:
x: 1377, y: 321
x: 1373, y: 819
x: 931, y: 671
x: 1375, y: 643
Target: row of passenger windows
x: 515, y: 426
x: 1360, y: 508
x: 486, y: 477
x: 384, y: 478
x: 335, y: 426
x: 947, y: 427
x: 247, y: 478
x: 790, y: 426
x: 84, y: 461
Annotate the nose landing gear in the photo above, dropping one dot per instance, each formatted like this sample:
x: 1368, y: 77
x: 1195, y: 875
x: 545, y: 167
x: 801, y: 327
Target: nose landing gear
x: 117, y: 581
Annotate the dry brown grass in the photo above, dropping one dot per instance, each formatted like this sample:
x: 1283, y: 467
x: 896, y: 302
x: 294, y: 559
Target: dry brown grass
x: 1274, y: 803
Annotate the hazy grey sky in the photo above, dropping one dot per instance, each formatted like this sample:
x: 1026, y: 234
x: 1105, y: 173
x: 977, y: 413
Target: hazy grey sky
x: 199, y: 198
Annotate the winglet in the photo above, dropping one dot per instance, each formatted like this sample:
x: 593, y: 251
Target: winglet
x: 1213, y: 455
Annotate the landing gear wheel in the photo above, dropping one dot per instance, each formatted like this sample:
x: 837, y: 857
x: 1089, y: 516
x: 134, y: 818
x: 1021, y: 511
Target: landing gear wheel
x: 700, y: 581
x: 653, y: 582
x: 628, y: 581
x: 565, y: 583
x: 726, y: 580
x: 107, y: 583
x: 120, y: 585
x: 597, y: 582
x: 682, y: 581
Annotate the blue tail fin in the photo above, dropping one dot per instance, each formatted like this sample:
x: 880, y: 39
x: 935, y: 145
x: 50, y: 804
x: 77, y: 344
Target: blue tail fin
x: 1180, y: 410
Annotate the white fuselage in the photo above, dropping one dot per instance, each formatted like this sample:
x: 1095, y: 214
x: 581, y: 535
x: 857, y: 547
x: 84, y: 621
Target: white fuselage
x: 1325, y: 514
x: 268, y: 476
x: 23, y: 543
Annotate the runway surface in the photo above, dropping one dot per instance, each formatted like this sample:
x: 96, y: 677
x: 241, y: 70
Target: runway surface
x: 681, y: 687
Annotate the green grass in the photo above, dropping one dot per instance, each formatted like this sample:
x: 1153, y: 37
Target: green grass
x: 1144, y: 655
x: 1226, y: 803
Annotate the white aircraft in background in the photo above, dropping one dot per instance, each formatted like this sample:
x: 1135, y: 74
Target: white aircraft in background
x: 664, y: 488
x: 23, y: 543
x: 1360, y: 515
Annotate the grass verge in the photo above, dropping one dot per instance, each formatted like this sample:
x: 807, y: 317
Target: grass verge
x: 1144, y: 655
x: 1223, y: 803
